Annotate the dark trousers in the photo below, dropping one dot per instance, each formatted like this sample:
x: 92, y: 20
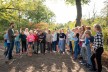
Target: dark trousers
x: 24, y: 46
x: 54, y: 45
x: 71, y: 48
x: 10, y: 50
x: 49, y: 46
x: 97, y: 55
x: 36, y: 47
x: 42, y: 48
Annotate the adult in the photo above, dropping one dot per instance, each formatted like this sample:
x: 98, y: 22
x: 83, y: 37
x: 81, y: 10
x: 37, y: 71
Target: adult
x: 11, y: 39
x: 26, y: 32
x: 98, y: 48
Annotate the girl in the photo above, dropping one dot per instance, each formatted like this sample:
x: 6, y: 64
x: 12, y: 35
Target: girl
x: 62, y: 38
x: 98, y: 48
x: 23, y: 42
x: 30, y: 40
x: 49, y: 40
x: 54, y: 39
x: 88, y: 49
x: 35, y: 43
x: 17, y: 42
x: 42, y: 42
x: 76, y: 44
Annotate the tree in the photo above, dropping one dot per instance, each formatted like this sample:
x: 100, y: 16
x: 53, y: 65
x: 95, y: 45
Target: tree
x: 79, y: 9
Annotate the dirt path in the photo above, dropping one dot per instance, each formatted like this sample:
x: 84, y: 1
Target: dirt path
x: 50, y: 62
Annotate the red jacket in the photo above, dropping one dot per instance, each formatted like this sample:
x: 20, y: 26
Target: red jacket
x: 36, y: 37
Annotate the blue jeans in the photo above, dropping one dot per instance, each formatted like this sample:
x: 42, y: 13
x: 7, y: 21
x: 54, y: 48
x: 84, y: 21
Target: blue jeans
x: 76, y: 49
x: 62, y: 45
x: 54, y: 45
x: 11, y: 49
x: 88, y: 52
x: 7, y: 50
x: 17, y: 44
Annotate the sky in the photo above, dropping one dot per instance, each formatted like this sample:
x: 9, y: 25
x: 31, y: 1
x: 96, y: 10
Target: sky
x: 65, y: 13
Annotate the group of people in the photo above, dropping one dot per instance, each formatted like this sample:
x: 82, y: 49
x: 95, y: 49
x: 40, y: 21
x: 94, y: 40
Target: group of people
x: 79, y: 41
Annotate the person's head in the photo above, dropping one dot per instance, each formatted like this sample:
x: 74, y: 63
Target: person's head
x: 16, y: 31
x: 12, y: 25
x: 35, y: 32
x: 97, y: 28
x: 88, y: 28
x: 87, y: 33
x: 26, y: 30
x: 31, y: 32
x: 22, y: 32
x: 83, y: 28
x: 49, y: 32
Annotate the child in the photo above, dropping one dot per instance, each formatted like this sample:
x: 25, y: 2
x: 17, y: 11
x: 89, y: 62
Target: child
x: 30, y: 40
x: 36, y: 48
x: 88, y: 49
x: 54, y: 39
x: 42, y: 42
x: 49, y: 40
x: 17, y: 42
x: 76, y: 45
x: 23, y: 41
x: 5, y: 41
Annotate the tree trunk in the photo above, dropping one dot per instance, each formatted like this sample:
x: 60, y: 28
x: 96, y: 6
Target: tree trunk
x: 79, y: 13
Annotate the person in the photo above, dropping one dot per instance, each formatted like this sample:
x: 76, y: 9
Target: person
x: 5, y: 41
x: 98, y: 48
x: 11, y: 39
x: 17, y: 42
x: 26, y: 32
x: 49, y: 40
x: 57, y: 48
x: 54, y: 39
x: 42, y: 42
x: 23, y: 42
x: 62, y: 38
x: 76, y: 44
x: 30, y: 41
x: 36, y: 48
x: 88, y: 48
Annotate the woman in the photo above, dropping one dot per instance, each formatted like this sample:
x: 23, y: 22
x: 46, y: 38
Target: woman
x: 98, y: 48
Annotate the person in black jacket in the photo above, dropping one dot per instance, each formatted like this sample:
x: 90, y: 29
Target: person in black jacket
x: 42, y: 42
x: 23, y: 41
x: 11, y: 39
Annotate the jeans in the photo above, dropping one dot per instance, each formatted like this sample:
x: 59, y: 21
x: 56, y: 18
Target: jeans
x: 76, y: 49
x: 7, y: 51
x: 62, y: 45
x: 97, y: 55
x: 17, y: 44
x: 83, y: 53
x: 70, y: 45
x: 54, y: 45
x: 49, y: 46
x: 11, y: 49
x: 42, y: 48
x: 36, y: 47
x: 88, y: 52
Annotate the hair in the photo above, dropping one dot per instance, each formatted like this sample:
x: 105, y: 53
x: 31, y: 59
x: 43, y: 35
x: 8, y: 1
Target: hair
x: 98, y: 27
x: 88, y: 28
x: 88, y: 32
x: 11, y: 23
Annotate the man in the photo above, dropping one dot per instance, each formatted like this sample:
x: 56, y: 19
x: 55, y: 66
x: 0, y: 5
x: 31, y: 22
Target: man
x: 11, y: 39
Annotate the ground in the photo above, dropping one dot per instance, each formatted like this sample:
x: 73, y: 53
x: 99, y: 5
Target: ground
x: 50, y: 62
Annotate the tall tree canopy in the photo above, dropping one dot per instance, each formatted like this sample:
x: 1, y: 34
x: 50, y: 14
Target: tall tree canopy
x: 24, y: 11
x: 79, y: 9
